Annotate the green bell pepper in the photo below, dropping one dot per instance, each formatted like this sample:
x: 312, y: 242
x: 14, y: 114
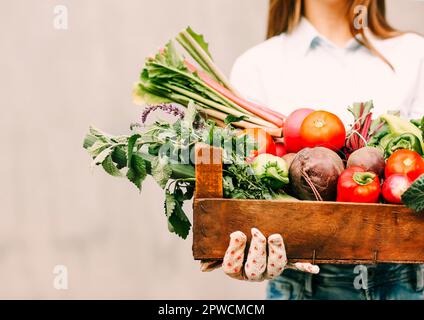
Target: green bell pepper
x: 272, y: 170
x: 407, y: 141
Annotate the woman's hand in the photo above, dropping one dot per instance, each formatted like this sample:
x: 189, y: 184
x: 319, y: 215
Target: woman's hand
x: 260, y: 264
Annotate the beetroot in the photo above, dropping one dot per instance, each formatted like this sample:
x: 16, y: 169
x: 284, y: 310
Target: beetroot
x: 314, y: 173
x: 369, y: 158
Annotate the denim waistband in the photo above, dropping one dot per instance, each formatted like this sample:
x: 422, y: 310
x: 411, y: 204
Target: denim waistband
x: 380, y: 273
x: 376, y: 275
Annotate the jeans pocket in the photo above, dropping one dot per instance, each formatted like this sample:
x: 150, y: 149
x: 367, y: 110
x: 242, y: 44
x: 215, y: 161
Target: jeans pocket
x: 404, y: 288
x: 285, y: 289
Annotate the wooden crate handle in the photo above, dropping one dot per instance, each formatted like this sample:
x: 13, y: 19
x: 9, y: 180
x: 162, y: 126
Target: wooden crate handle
x: 208, y: 172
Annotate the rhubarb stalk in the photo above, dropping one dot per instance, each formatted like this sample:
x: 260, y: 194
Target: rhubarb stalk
x: 204, y: 58
x: 256, y: 109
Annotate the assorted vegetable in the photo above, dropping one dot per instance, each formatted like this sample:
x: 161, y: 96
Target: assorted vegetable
x: 405, y: 162
x: 262, y: 140
x: 369, y: 158
x: 394, y: 187
x: 169, y: 77
x: 414, y: 196
x: 376, y: 160
x: 362, y: 130
x: 291, y: 129
x: 322, y: 129
x: 419, y: 123
x: 256, y: 109
x: 280, y: 149
x: 406, y: 141
x: 395, y: 133
x: 165, y: 151
x: 314, y: 174
x: 272, y: 170
x: 288, y: 158
x: 399, y: 126
x: 357, y: 185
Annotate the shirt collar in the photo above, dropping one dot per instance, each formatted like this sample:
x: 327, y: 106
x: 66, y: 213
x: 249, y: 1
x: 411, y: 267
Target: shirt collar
x: 305, y: 38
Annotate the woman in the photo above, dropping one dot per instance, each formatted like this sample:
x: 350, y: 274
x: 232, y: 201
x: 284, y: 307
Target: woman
x: 321, y: 54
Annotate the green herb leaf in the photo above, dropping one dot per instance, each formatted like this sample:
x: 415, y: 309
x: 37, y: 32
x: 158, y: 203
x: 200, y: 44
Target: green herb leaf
x: 102, y: 156
x: 181, y: 227
x: 110, y: 167
x: 97, y: 148
x: 180, y: 213
x: 161, y: 171
x: 414, y: 197
x: 177, y: 219
x: 228, y: 185
x: 240, y: 183
x: 199, y: 38
x: 89, y: 140
x: 142, y: 96
x: 131, y: 142
x: 119, y: 157
x: 170, y: 203
x: 172, y: 56
x: 97, y: 133
x: 137, y: 170
x: 190, y: 115
x: 188, y: 195
x: 154, y: 148
x: 230, y: 119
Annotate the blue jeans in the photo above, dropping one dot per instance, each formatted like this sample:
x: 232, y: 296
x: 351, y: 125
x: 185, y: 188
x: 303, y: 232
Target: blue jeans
x: 345, y: 282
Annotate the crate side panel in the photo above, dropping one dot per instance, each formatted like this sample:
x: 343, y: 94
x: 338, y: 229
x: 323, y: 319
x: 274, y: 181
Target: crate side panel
x: 328, y: 231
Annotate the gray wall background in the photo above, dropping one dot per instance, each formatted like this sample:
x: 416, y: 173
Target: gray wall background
x: 53, y: 84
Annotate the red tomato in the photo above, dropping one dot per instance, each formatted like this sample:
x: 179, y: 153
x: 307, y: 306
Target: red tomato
x: 405, y: 162
x: 323, y: 129
x: 291, y: 129
x: 280, y: 149
x: 263, y: 141
x: 394, y: 187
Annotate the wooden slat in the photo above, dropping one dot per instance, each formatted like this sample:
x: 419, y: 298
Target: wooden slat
x: 332, y: 232
x: 208, y: 172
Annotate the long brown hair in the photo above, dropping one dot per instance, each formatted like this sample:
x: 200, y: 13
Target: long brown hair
x: 284, y: 16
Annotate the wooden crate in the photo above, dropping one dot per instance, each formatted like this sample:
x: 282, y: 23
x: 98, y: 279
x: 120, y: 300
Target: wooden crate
x: 318, y: 232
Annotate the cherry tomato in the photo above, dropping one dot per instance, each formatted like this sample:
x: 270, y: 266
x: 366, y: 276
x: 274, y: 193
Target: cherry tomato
x: 280, y: 149
x: 394, y: 187
x: 291, y: 129
x: 405, y: 162
x: 323, y: 129
x: 262, y: 139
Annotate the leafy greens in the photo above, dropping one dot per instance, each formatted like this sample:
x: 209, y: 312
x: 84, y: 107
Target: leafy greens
x: 165, y: 151
x: 414, y: 197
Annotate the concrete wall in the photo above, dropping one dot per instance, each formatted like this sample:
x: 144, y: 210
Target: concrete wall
x: 54, y: 210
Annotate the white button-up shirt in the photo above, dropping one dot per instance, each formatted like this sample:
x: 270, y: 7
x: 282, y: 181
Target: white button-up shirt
x: 304, y: 69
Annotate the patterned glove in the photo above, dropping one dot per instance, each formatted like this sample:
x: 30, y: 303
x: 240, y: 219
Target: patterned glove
x: 259, y: 265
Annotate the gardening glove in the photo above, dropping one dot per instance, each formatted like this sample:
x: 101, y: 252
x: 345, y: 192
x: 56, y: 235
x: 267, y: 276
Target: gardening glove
x: 259, y: 265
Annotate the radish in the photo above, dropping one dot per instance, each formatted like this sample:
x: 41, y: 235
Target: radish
x: 394, y: 187
x: 291, y: 130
